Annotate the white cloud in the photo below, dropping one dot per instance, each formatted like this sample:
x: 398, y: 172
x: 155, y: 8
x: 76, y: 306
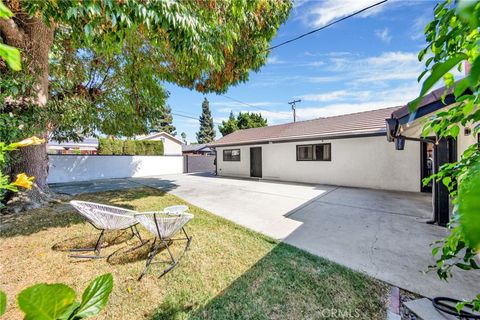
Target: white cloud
x: 337, y: 96
x: 418, y: 27
x: 274, y: 60
x: 361, y: 100
x: 317, y: 63
x: 388, y: 66
x: 329, y: 10
x: 384, y: 35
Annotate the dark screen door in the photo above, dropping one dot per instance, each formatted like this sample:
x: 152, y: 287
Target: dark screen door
x: 256, y: 162
x: 426, y: 165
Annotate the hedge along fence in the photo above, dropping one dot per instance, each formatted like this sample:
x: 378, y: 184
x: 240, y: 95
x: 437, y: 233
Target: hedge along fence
x: 130, y: 147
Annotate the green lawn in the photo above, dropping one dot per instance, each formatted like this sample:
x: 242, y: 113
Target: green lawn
x: 229, y: 273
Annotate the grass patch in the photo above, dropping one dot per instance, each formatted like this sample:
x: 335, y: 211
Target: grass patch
x: 230, y: 272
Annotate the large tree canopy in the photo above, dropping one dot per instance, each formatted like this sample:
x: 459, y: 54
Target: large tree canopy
x: 206, y: 45
x: 108, y: 60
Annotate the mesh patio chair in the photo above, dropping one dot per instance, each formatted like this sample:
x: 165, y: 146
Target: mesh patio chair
x: 175, y: 209
x: 164, y: 226
x: 103, y: 217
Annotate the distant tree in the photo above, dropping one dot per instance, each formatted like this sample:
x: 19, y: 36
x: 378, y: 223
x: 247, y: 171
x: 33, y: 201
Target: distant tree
x: 184, y: 137
x: 244, y: 120
x: 228, y: 126
x: 206, y: 133
x: 166, y: 122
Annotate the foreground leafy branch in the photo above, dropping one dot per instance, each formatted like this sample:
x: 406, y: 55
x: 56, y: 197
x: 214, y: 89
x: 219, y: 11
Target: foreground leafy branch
x: 58, y: 301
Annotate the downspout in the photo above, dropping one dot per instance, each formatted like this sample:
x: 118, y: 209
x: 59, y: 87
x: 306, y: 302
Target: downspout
x: 216, y: 162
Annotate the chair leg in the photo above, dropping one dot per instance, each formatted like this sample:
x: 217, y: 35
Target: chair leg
x: 96, y: 249
x: 189, y: 239
x: 136, y: 233
x: 153, y: 251
x: 156, y: 248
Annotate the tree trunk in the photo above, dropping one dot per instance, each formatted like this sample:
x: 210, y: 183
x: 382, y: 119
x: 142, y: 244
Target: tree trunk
x: 34, y: 39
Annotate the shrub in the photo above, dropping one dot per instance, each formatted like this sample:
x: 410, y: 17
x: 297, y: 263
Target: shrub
x: 157, y: 148
x: 130, y: 147
x: 105, y: 146
x: 139, y: 147
x: 149, y: 148
x: 117, y: 147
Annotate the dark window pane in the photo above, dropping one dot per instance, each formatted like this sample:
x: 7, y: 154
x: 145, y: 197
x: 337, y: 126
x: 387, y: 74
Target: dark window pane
x: 304, y: 152
x: 231, y: 155
x: 319, y: 152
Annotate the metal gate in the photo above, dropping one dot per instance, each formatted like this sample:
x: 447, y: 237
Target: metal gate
x: 198, y: 163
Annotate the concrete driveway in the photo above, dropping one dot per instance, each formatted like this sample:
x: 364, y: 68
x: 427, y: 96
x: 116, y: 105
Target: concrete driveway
x: 377, y: 232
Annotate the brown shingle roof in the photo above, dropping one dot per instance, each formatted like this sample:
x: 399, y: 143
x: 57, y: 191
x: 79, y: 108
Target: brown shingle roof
x: 367, y: 122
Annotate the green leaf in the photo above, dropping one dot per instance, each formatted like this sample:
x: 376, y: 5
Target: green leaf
x: 475, y: 72
x: 438, y: 71
x: 12, y: 56
x: 468, y: 107
x: 5, y: 13
x: 461, y: 86
x: 449, y: 79
x: 95, y: 297
x: 469, y: 206
x: 3, y: 303
x: 46, y: 301
x: 454, y: 131
x: 446, y: 181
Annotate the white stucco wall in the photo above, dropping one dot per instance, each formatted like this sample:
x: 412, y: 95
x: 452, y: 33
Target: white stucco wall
x: 464, y: 141
x: 170, y: 147
x: 369, y: 162
x: 68, y: 168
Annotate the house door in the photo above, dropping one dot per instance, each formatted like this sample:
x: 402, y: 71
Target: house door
x: 426, y: 165
x: 256, y: 162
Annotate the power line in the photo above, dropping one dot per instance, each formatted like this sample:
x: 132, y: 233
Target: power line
x: 325, y: 26
x: 252, y: 106
x: 189, y: 117
x: 302, y: 36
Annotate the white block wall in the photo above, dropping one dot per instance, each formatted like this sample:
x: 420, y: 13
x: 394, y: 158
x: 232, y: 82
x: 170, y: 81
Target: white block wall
x: 69, y: 168
x: 369, y: 162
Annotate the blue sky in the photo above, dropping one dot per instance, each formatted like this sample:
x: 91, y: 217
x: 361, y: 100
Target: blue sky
x: 363, y: 63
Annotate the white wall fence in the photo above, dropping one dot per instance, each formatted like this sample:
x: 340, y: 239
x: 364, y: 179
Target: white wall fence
x: 69, y: 168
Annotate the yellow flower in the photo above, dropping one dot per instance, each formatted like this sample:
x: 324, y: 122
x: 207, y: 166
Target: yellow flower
x: 32, y: 141
x: 23, y: 181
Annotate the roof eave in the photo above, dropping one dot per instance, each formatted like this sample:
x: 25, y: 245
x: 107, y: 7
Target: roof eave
x: 336, y: 135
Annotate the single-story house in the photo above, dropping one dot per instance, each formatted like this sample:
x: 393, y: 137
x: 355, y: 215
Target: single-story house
x: 349, y: 150
x: 87, y: 146
x: 201, y: 149
x: 171, y: 145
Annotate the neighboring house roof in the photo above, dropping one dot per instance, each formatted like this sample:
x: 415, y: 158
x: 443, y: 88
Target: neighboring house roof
x: 353, y: 124
x: 195, y: 148
x: 87, y: 144
x: 159, y: 134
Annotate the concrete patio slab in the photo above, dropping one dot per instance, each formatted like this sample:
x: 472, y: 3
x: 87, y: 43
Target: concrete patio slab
x: 381, y: 233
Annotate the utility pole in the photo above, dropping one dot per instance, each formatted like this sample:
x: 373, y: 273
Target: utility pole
x: 294, y: 108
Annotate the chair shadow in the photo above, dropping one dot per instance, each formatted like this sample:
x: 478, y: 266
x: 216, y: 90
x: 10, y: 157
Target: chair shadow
x: 134, y: 252
x: 111, y: 238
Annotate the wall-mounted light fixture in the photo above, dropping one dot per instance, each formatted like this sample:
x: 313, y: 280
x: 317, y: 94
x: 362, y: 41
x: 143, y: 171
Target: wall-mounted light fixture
x: 399, y: 143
